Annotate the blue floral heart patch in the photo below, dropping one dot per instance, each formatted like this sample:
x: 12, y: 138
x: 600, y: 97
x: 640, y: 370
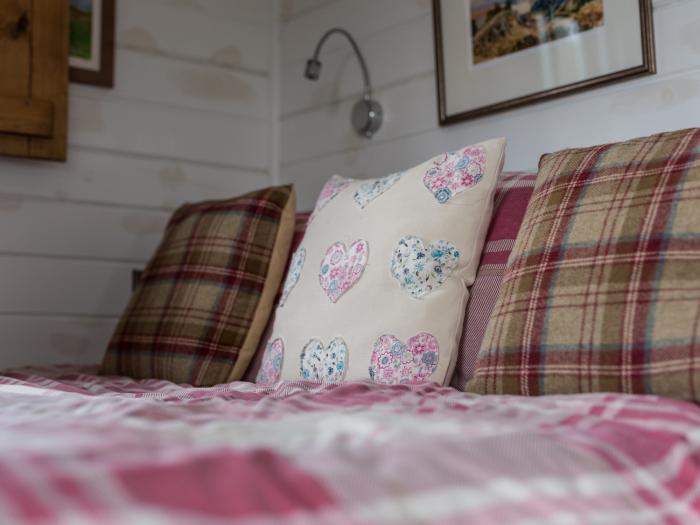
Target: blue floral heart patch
x: 372, y: 189
x: 324, y: 364
x: 420, y: 269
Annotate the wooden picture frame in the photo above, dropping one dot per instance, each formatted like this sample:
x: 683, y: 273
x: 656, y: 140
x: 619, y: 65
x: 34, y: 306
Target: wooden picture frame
x: 447, y: 117
x: 98, y: 70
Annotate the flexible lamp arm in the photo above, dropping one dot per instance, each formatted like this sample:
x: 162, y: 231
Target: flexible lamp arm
x: 367, y: 114
x: 313, y: 65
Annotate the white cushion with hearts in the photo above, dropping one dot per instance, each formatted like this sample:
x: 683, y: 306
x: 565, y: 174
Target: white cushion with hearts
x: 378, y: 287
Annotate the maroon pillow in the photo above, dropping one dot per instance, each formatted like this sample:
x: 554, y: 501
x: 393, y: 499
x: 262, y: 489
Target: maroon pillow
x: 512, y: 196
x: 510, y: 202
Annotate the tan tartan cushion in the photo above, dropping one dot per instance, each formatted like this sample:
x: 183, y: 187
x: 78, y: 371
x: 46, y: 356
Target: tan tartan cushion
x: 206, y: 295
x: 602, y: 289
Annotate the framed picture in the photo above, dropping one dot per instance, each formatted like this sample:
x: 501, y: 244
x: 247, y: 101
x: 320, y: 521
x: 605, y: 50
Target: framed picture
x: 92, y: 42
x: 494, y: 55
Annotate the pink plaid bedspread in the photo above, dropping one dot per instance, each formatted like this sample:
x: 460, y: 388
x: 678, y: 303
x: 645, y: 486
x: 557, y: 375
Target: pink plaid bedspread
x: 76, y: 448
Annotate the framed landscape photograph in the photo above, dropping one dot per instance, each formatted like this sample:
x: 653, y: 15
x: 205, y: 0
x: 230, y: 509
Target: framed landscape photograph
x: 92, y: 42
x: 494, y: 55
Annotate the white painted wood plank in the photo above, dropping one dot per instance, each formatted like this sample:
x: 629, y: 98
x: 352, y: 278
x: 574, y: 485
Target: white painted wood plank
x: 249, y: 11
x: 274, y: 100
x: 107, y: 178
x: 163, y: 80
x: 677, y: 37
x: 402, y: 52
x: 661, y: 4
x: 62, y: 229
x: 140, y: 127
x: 611, y: 114
x: 293, y: 8
x: 408, y: 108
x: 226, y: 32
x: 360, y: 17
x: 45, y: 341
x: 54, y: 286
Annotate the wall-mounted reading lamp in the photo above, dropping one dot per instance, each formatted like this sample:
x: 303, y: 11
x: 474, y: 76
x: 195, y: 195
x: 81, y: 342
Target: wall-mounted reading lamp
x: 366, y: 113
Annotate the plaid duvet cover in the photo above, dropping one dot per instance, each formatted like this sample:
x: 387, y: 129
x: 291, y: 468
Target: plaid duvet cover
x: 76, y: 448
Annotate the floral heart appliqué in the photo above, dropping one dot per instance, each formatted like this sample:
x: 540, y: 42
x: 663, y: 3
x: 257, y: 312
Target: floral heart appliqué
x: 341, y: 268
x: 324, y: 364
x: 331, y: 188
x: 393, y: 362
x: 372, y: 189
x: 271, y: 365
x: 420, y: 269
x: 454, y: 172
x: 293, y: 274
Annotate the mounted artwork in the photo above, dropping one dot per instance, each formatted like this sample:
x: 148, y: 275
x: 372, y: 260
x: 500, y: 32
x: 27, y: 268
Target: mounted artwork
x: 92, y: 42
x: 494, y: 55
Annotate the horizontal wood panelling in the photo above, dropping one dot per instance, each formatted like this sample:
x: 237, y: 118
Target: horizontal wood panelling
x: 317, y: 139
x: 163, y: 80
x: 531, y: 131
x: 294, y: 8
x: 244, y: 12
x: 189, y: 119
x: 225, y: 32
x: 327, y: 129
x: 116, y: 179
x: 677, y: 38
x: 47, y: 286
x: 158, y: 130
x: 410, y: 101
x: 407, y: 117
x: 405, y: 51
x: 303, y: 25
x: 361, y: 17
x: 66, y: 229
x: 48, y: 340
x: 402, y: 52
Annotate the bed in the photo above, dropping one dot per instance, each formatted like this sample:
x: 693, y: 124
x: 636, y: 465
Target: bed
x: 81, y: 448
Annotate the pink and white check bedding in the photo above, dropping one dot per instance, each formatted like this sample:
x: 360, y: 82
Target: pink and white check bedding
x: 77, y: 448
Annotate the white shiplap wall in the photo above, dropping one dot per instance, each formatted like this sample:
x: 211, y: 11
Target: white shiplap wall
x: 396, y: 37
x: 210, y: 100
x: 189, y: 118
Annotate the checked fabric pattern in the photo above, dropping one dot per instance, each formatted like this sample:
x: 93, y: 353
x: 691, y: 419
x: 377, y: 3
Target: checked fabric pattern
x: 80, y: 449
x: 206, y: 295
x: 602, y: 288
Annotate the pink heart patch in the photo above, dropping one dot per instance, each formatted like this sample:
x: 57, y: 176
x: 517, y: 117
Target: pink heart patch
x: 393, y: 362
x: 271, y: 365
x: 331, y: 188
x: 341, y: 268
x: 452, y: 173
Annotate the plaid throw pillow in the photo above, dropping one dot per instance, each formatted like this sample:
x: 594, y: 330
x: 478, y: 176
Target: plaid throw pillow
x: 206, y: 295
x: 602, y: 289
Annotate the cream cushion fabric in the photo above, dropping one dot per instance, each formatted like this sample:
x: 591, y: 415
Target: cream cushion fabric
x: 378, y: 287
